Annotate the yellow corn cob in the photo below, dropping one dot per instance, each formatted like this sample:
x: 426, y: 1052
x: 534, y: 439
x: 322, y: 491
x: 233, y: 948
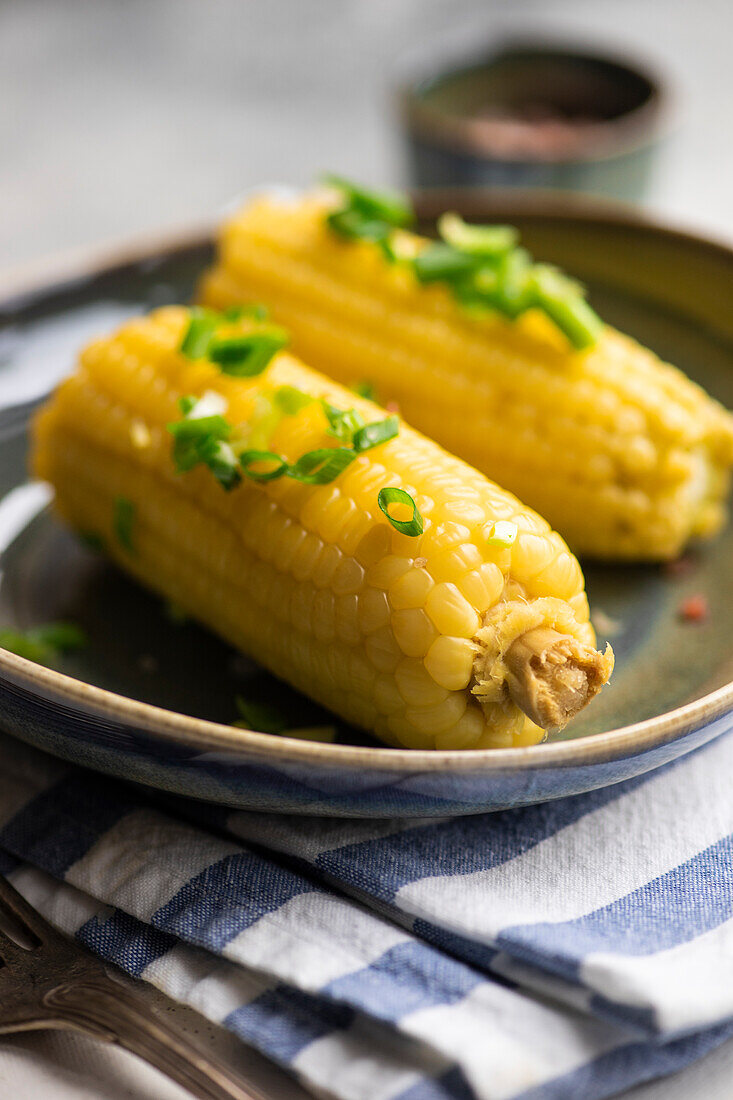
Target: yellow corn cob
x: 621, y: 452
x: 428, y: 641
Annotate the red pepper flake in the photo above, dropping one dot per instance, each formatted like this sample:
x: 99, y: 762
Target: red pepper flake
x: 694, y: 609
x: 392, y: 407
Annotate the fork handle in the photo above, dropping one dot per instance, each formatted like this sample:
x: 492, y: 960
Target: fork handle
x: 109, y: 1011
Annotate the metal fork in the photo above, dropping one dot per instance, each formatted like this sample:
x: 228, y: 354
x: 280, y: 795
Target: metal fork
x: 49, y: 981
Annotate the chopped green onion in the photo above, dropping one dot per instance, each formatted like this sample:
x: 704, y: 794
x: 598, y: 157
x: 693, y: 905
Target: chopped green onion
x: 388, y: 496
x: 357, y: 226
x: 365, y: 389
x: 210, y: 404
x: 441, y: 261
x: 502, y: 533
x: 123, y: 522
x: 247, y: 356
x: 515, y: 282
x: 371, y: 435
x: 322, y: 466
x: 203, y: 440
x: 291, y: 400
x: 222, y: 461
x: 43, y: 644
x: 254, y: 310
x: 562, y: 301
x: 200, y: 332
x: 342, y: 422
x: 249, y: 458
x: 186, y: 404
x: 386, y: 206
x: 477, y: 240
x: 260, y: 717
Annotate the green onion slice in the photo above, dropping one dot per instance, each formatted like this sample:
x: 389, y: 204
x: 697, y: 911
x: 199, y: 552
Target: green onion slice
x: 386, y: 206
x: 222, y: 461
x: 258, y: 716
x: 502, y: 533
x: 290, y: 400
x: 247, y: 356
x: 322, y: 466
x: 562, y: 300
x: 342, y: 422
x: 390, y: 495
x: 123, y: 522
x: 200, y: 332
x: 371, y: 435
x: 43, y: 644
x: 61, y: 636
x: 255, y: 310
x: 477, y: 240
x: 365, y: 389
x: 440, y: 261
x: 354, y: 225
x: 248, y: 459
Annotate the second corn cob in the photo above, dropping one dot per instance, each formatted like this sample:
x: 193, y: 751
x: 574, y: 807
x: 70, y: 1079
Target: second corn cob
x: 465, y: 635
x: 622, y: 453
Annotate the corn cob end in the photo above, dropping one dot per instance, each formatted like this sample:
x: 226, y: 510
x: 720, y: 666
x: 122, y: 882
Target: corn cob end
x: 551, y: 676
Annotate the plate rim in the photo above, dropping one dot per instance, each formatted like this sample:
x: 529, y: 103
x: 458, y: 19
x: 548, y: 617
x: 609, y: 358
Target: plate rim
x: 55, y: 274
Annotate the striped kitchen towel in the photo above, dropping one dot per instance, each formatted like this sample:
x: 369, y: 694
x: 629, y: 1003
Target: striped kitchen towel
x: 555, y: 952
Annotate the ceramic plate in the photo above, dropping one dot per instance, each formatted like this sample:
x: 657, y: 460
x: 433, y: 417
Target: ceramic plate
x: 152, y: 700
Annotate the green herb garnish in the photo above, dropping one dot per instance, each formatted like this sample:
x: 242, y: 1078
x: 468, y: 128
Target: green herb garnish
x: 365, y: 389
x: 43, y: 644
x: 248, y: 459
x: 389, y: 496
x: 255, y: 310
x: 247, y: 356
x: 390, y: 207
x: 321, y: 466
x: 203, y: 440
x: 342, y: 422
x: 371, y: 435
x: 440, y: 262
x: 477, y: 240
x: 123, y: 522
x: 481, y: 265
x: 200, y: 332
x: 562, y: 300
x: 290, y: 400
x: 260, y: 717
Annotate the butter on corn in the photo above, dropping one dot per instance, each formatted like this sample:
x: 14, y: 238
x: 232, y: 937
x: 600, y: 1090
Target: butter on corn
x: 621, y: 452
x: 449, y: 639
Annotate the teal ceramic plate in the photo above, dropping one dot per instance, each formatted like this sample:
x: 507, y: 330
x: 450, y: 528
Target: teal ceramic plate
x: 152, y: 700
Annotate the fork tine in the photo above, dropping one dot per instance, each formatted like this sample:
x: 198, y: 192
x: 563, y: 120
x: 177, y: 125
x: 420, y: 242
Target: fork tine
x: 14, y: 903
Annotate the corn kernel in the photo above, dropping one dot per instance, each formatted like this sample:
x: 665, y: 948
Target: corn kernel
x: 411, y: 589
x: 374, y: 610
x: 413, y: 631
x: 450, y: 662
x: 416, y: 685
x: 451, y: 612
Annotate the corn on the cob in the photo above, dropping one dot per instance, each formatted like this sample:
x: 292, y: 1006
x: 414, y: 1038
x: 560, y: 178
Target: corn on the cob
x: 445, y: 640
x: 622, y: 453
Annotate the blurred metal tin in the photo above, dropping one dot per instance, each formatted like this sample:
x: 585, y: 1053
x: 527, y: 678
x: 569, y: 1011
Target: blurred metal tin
x: 536, y: 115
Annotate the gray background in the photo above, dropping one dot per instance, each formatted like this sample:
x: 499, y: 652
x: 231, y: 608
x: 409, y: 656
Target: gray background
x: 120, y: 115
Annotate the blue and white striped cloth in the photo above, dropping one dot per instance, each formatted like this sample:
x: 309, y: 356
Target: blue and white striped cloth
x: 561, y: 951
